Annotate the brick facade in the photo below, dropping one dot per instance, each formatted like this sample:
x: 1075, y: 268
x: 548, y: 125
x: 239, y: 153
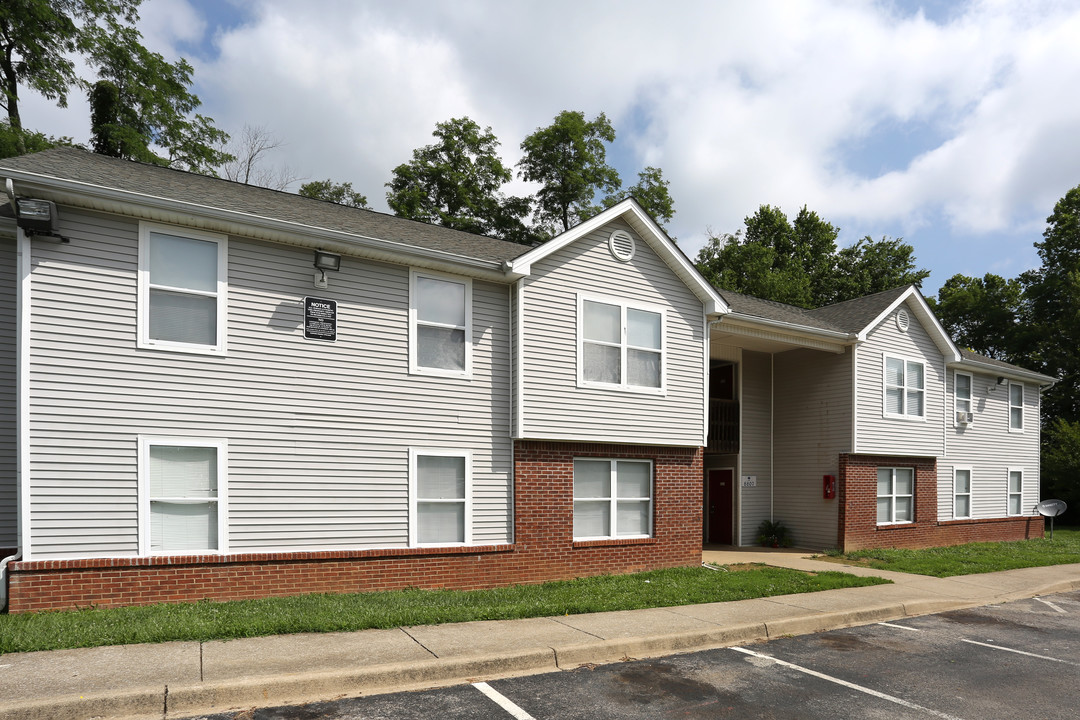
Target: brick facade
x: 858, y: 526
x: 543, y: 548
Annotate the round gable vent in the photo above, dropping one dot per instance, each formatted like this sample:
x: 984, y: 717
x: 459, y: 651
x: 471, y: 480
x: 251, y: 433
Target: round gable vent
x: 621, y: 245
x: 903, y: 320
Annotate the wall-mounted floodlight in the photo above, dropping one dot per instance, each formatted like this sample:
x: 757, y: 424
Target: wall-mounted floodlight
x: 325, y: 261
x: 38, y: 217
x: 1001, y: 380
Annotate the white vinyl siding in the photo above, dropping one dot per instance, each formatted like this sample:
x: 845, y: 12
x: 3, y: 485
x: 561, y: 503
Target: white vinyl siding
x: 987, y: 445
x: 755, y: 393
x: 440, y: 492
x: 812, y: 426
x: 961, y: 492
x: 895, y: 495
x: 8, y: 406
x: 880, y: 432
x: 183, y: 503
x: 440, y: 325
x: 318, y: 433
x: 555, y: 405
x: 612, y: 498
x: 182, y: 289
x: 1016, y: 407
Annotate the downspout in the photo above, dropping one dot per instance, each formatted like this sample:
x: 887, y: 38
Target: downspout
x: 22, y: 333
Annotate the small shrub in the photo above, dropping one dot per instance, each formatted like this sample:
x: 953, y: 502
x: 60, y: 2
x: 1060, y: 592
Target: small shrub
x: 773, y: 533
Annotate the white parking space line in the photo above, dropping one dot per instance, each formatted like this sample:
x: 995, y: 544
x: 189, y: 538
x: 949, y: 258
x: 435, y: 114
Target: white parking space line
x: 1019, y: 652
x: 900, y: 627
x: 1052, y: 605
x: 501, y: 700
x: 845, y: 683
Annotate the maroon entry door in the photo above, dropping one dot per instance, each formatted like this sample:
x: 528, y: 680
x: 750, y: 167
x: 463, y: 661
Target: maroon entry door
x: 721, y: 500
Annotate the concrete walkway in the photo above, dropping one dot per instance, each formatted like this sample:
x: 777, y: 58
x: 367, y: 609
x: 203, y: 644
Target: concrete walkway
x: 184, y: 679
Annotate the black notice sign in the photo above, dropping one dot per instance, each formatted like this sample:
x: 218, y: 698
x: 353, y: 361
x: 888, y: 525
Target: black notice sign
x: 320, y: 319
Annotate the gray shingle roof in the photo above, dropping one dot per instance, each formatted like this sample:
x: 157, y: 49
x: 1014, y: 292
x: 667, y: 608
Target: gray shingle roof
x: 73, y: 164
x: 968, y: 355
x: 776, y: 311
x: 855, y: 315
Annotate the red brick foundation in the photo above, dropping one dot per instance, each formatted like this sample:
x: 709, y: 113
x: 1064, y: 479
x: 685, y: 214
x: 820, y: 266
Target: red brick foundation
x: 858, y: 526
x: 543, y: 548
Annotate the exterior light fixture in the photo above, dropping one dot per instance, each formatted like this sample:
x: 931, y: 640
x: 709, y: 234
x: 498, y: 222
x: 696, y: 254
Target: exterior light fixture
x: 325, y: 261
x: 37, y: 217
x: 1001, y: 380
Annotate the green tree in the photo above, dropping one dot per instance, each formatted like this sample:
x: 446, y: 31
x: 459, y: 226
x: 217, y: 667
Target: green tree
x: 19, y: 142
x: 1061, y: 465
x: 982, y: 314
x: 871, y: 266
x: 1053, y: 294
x: 142, y: 100
x: 651, y: 192
x: 38, y: 39
x: 457, y: 182
x: 330, y: 191
x: 569, y: 160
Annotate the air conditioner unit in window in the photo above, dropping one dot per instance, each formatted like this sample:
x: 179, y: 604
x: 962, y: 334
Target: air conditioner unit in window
x: 964, y: 418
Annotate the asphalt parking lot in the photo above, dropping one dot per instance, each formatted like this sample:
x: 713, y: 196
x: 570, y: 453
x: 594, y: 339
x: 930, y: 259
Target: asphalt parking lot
x: 1014, y: 660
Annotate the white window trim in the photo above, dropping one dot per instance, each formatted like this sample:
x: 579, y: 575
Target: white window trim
x: 1023, y: 413
x: 414, y: 367
x: 222, y: 447
x: 957, y: 399
x: 623, y: 345
x: 414, y: 453
x: 143, y: 309
x: 614, y: 500
x: 914, y: 489
x: 971, y: 482
x: 1009, y: 493
x: 885, y: 388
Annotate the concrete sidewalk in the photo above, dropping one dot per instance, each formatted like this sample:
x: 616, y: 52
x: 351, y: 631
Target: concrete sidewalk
x: 184, y: 679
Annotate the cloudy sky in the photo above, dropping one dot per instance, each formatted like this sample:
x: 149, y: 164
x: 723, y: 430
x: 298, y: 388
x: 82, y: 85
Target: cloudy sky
x: 955, y: 125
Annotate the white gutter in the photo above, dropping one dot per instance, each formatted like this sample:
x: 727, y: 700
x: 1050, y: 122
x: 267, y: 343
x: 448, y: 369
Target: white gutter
x: 72, y: 190
x: 1012, y: 373
x: 789, y: 327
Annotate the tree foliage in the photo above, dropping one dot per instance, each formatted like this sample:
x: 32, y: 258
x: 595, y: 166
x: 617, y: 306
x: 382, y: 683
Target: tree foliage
x: 142, y: 100
x: 457, y: 182
x: 982, y: 314
x: 797, y: 262
x: 569, y: 159
x: 330, y: 191
x: 38, y: 39
x: 1061, y: 464
x: 19, y: 142
x: 651, y: 192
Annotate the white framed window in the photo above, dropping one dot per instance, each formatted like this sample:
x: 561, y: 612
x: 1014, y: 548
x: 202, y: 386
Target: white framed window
x: 440, y: 496
x: 612, y: 498
x: 962, y: 388
x: 620, y: 345
x: 440, y: 324
x: 1016, y: 407
x: 895, y: 495
x: 1015, y: 500
x: 905, y: 388
x: 183, y: 289
x: 961, y: 492
x: 182, y: 495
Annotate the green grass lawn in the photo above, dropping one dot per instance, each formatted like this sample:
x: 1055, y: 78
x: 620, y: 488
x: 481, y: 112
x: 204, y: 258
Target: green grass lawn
x: 975, y: 557
x: 329, y: 613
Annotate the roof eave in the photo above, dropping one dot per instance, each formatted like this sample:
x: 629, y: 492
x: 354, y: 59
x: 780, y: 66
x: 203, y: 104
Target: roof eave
x: 75, y: 193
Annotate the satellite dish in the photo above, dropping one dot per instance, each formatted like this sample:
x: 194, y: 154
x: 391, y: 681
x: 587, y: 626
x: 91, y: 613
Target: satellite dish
x: 1050, y: 509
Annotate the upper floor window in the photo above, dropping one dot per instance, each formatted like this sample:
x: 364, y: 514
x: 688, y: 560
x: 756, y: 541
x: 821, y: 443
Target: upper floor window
x: 440, y: 334
x: 895, y: 495
x: 182, y: 491
x: 905, y: 388
x: 621, y: 346
x: 182, y: 289
x: 1016, y: 407
x: 612, y: 498
x: 962, y: 396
